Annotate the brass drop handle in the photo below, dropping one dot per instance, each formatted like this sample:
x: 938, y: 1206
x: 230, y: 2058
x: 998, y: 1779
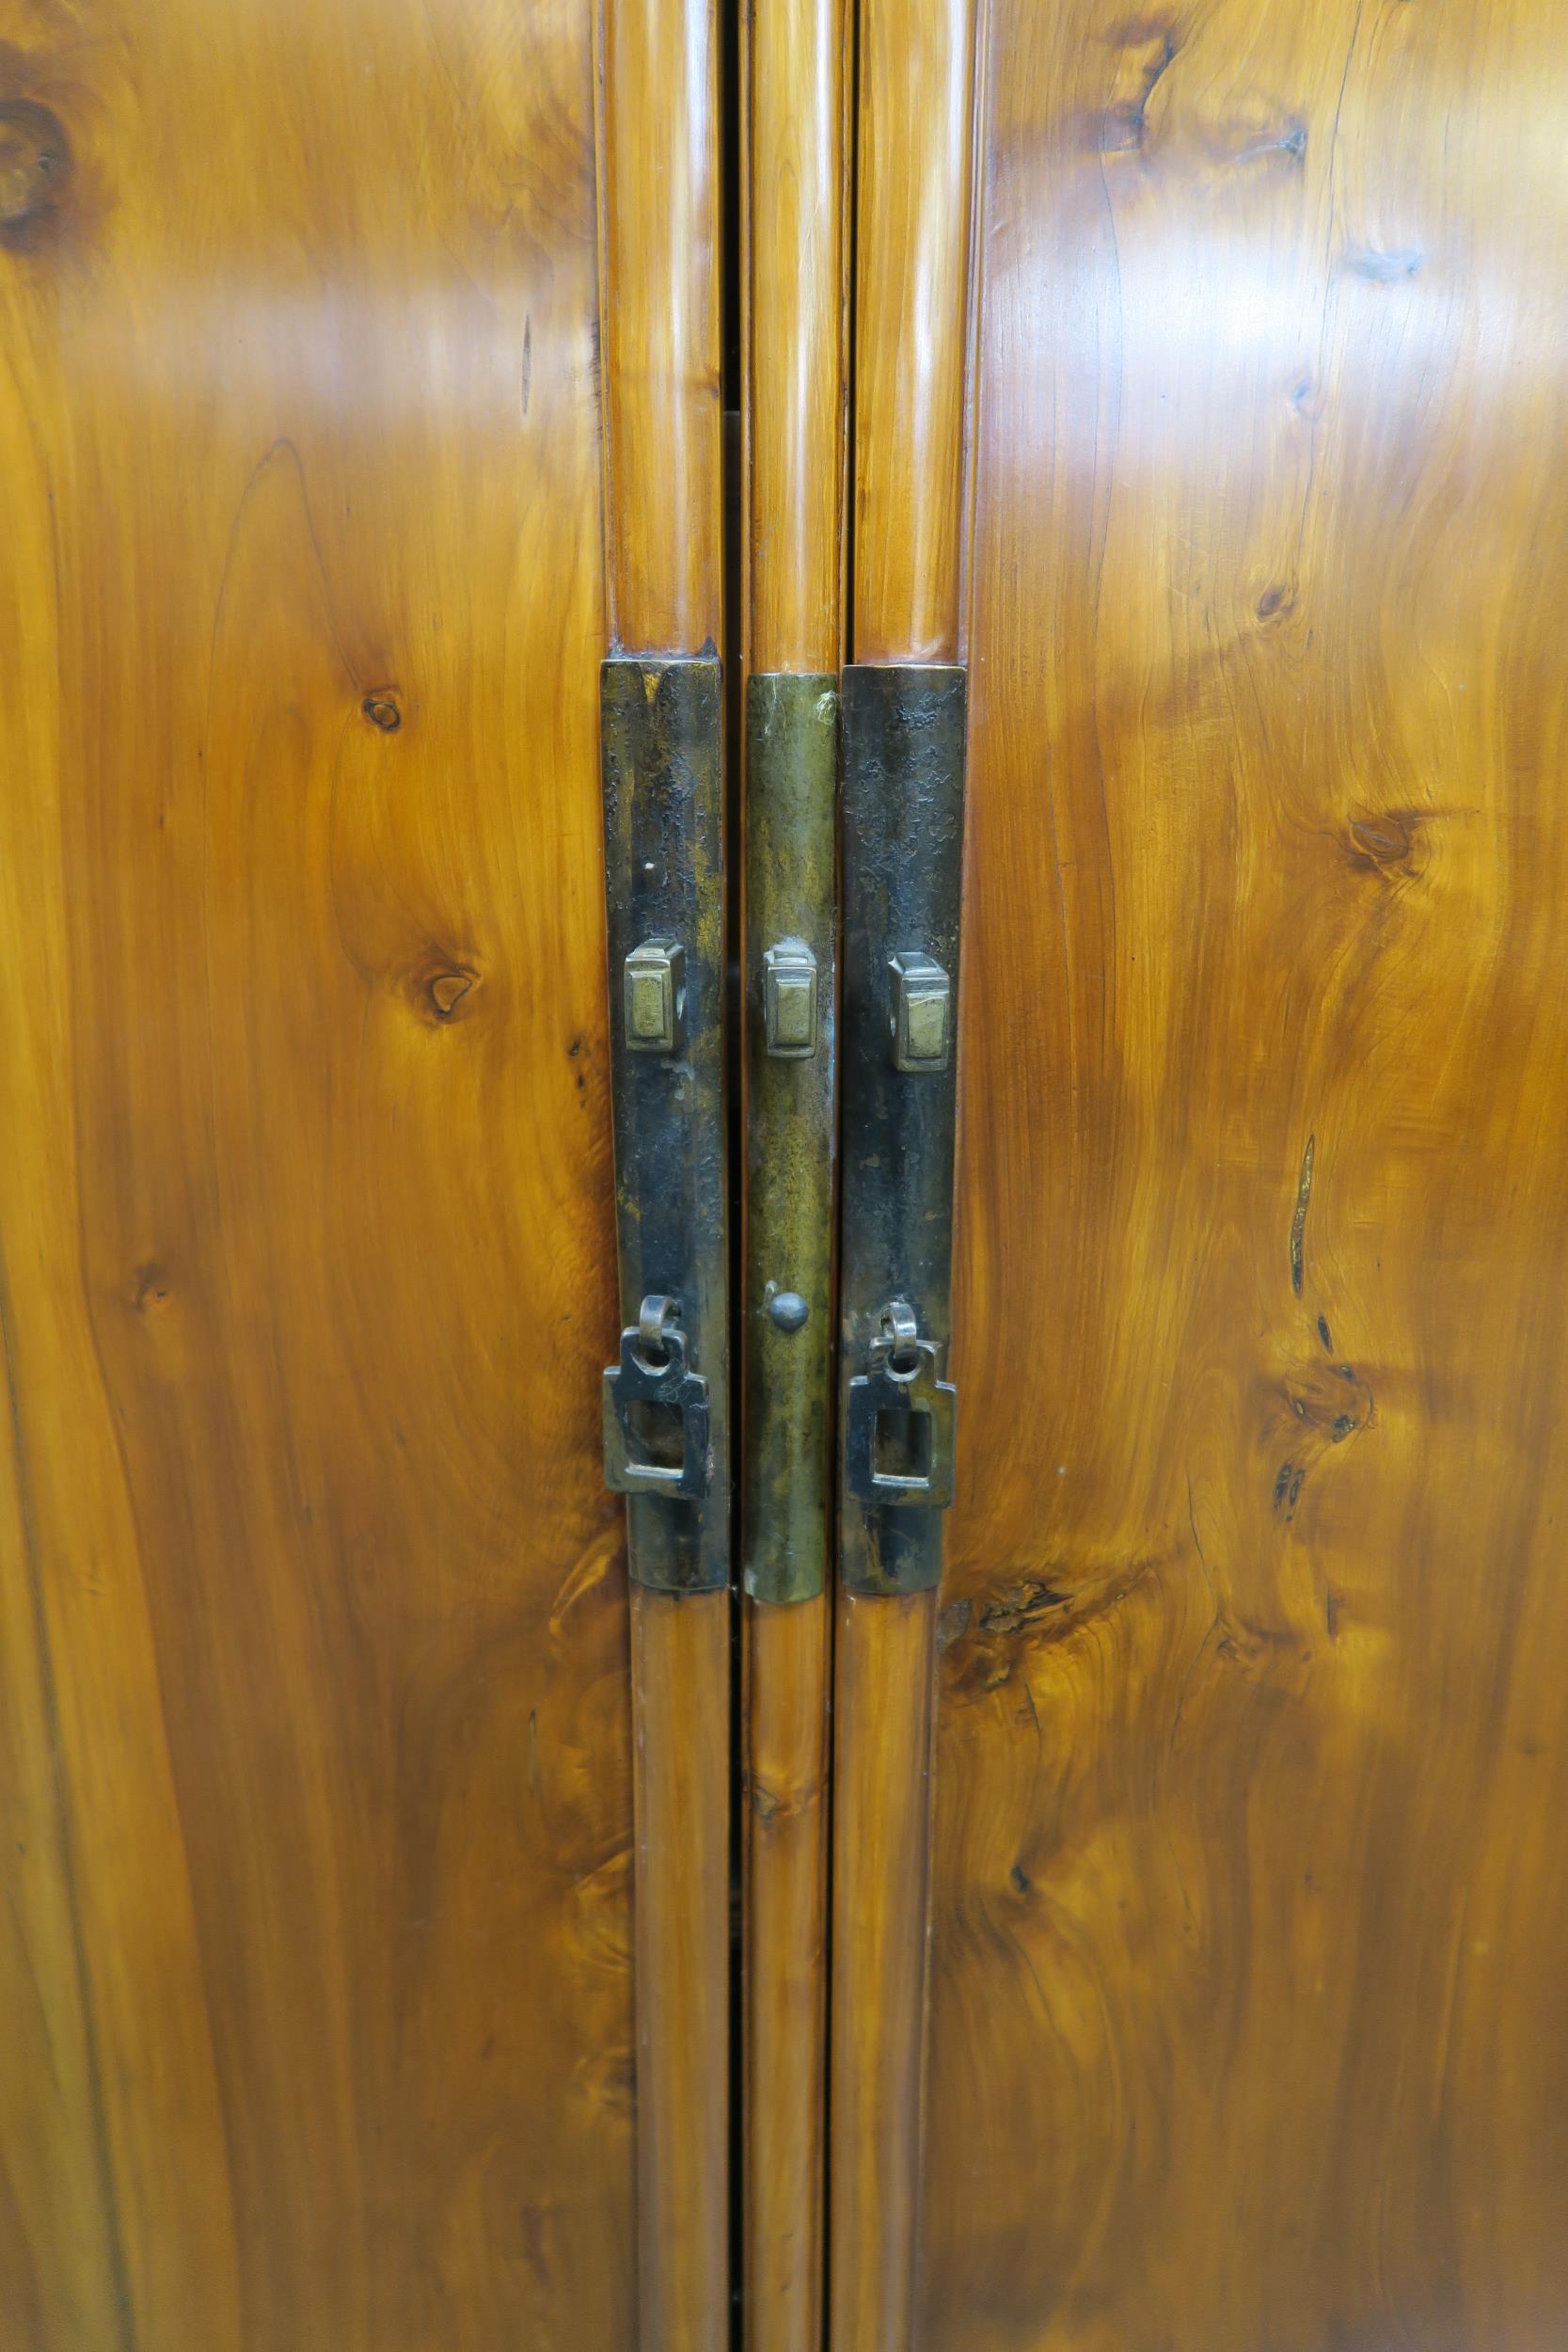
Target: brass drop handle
x: 650, y: 1394
x: 898, y: 1446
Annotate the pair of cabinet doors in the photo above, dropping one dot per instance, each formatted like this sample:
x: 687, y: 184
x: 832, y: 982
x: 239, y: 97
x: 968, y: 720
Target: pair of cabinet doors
x: 1149, y: 1936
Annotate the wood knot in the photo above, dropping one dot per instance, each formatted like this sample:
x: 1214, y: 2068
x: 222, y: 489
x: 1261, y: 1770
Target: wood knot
x: 1147, y: 53
x: 1380, y: 268
x: 382, y: 708
x: 150, y: 1286
x: 1387, y: 841
x: 35, y: 168
x: 447, y: 990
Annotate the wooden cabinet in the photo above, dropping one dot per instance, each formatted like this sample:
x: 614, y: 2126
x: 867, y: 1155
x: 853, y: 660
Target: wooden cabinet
x: 1145, y: 1934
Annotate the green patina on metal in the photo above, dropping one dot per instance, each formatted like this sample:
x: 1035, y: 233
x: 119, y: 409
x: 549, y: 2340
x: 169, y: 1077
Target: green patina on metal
x: 791, y: 791
x: 903, y: 858
x: 661, y: 744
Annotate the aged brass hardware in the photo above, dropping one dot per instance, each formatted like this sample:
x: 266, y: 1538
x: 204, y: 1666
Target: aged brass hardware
x: 903, y: 848
x: 666, y: 1423
x: 656, y: 1417
x: 898, y: 1445
x: 922, y: 1008
x: 789, y: 999
x: 791, y: 786
x: 654, y: 996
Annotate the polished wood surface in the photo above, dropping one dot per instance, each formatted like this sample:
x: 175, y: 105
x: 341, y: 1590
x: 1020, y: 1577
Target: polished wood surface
x: 680, y: 1667
x: 911, y: 328
x: 912, y: 241
x: 795, y: 292
x: 786, y: 1965
x: 1249, y: 2025
x: 662, y: 231
x: 314, y: 1734
x: 884, y: 1656
x: 794, y: 287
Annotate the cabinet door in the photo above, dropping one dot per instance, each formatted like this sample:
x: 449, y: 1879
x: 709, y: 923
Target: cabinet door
x: 1250, y: 1873
x: 315, y: 1738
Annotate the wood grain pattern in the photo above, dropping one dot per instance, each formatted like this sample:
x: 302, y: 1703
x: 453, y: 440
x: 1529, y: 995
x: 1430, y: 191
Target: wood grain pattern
x: 797, y: 200
x: 680, y: 1710
x: 661, y: 231
x: 795, y: 289
x: 1251, y: 1875
x: 787, y: 1964
x: 315, y: 1761
x: 912, y: 210
x: 883, y: 1662
x: 914, y: 133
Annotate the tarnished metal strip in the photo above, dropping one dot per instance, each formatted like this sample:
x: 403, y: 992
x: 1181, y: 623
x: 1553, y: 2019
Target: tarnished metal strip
x: 791, y: 791
x: 903, y: 855
x: 667, y: 1401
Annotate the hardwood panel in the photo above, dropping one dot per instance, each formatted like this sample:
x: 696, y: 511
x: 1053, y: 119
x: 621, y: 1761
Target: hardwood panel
x: 795, y: 284
x: 786, y: 1970
x: 317, y: 1741
x: 680, y: 1709
x: 1251, y: 1871
x: 912, y: 326
x: 882, y: 1835
x: 796, y: 289
x: 661, y: 231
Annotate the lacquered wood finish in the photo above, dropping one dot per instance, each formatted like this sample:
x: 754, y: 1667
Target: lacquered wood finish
x: 680, y: 1670
x: 315, y: 1761
x: 911, y: 333
x: 881, y: 1758
x: 664, y: 500
x: 915, y: 159
x: 795, y: 282
x: 1251, y: 1877
x: 797, y: 203
x: 661, y: 231
x: 786, y: 1982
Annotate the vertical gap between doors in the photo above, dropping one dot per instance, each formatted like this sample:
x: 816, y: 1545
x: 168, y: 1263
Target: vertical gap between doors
x: 731, y: 384
x: 850, y: 148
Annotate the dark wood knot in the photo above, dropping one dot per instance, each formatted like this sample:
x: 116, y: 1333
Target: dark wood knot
x: 35, y: 166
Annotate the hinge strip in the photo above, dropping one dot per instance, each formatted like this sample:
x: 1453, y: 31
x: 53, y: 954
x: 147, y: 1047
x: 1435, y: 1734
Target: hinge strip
x: 903, y: 855
x: 791, y: 794
x: 666, y: 1405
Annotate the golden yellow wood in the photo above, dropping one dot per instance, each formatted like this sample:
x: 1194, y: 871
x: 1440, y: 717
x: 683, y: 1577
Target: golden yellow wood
x: 661, y: 231
x: 315, y: 1754
x: 912, y: 326
x: 1251, y: 1871
x: 786, y: 1970
x: 910, y: 348
x: 680, y: 1710
x: 882, y: 1669
x: 795, y: 290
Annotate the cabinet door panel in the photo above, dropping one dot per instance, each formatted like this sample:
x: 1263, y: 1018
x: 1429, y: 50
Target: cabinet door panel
x: 1249, y: 1873
x: 316, y: 1752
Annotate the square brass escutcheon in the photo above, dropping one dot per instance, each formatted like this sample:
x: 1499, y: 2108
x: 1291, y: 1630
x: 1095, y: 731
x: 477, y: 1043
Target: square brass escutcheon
x: 789, y: 999
x: 922, y: 1014
x: 654, y: 994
